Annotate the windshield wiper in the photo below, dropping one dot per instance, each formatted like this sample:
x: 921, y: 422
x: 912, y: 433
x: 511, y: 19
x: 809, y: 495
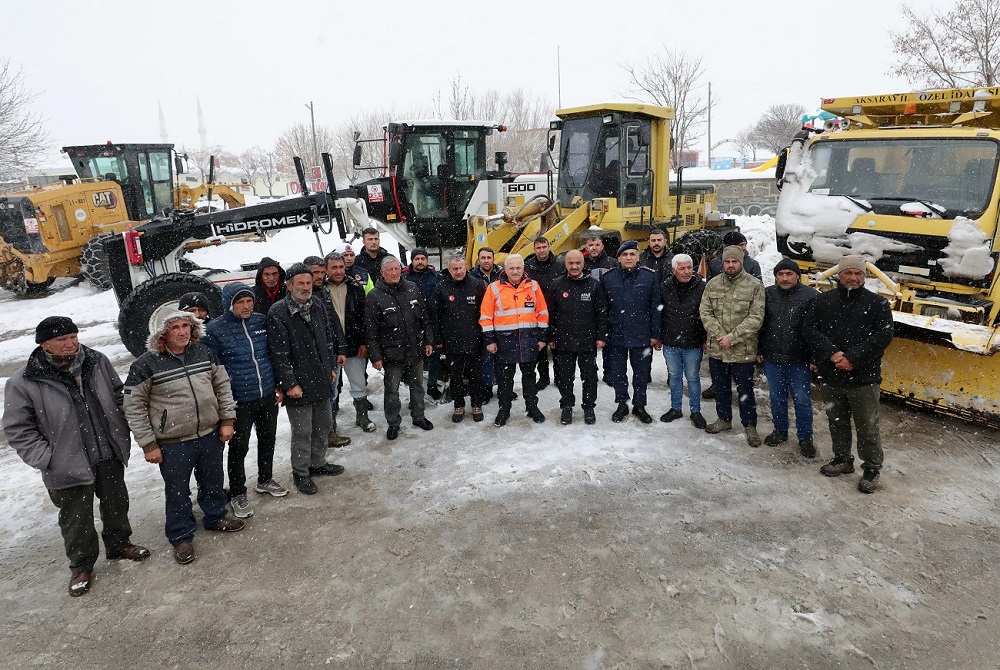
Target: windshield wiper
x: 940, y: 209
x: 860, y: 203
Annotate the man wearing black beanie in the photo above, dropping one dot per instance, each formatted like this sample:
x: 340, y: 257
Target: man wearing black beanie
x: 783, y: 350
x: 80, y: 443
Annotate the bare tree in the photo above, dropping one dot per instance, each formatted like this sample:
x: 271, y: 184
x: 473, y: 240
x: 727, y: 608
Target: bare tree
x: 269, y: 172
x: 248, y: 164
x: 22, y: 137
x: 673, y: 79
x: 200, y: 160
x: 954, y: 49
x: 526, y: 118
x: 746, y: 142
x: 774, y: 129
x: 297, y: 140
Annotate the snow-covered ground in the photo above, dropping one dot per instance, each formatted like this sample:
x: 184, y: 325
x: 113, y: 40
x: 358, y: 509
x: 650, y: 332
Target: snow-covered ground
x: 548, y: 546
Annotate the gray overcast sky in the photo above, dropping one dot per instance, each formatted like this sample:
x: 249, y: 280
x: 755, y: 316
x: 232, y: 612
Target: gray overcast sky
x: 100, y: 68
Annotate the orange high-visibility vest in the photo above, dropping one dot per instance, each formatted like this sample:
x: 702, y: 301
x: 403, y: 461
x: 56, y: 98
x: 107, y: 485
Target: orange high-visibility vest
x: 507, y: 307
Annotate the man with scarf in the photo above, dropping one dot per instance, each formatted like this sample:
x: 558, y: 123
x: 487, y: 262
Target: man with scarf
x: 307, y: 350
x: 63, y: 416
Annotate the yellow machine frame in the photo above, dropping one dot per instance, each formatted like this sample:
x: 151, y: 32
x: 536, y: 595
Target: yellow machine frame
x: 514, y: 230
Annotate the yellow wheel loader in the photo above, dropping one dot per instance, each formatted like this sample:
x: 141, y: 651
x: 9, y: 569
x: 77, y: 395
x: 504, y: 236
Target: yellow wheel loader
x: 910, y: 182
x: 613, y: 181
x: 57, y: 230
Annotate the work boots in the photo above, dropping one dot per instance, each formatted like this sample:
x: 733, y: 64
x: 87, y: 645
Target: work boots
x: 718, y: 426
x: 807, y: 447
x: 869, y: 481
x: 363, y: 422
x: 776, y: 437
x: 620, y: 413
x: 502, y: 416
x: 335, y: 440
x: 534, y: 413
x: 753, y: 439
x: 840, y: 465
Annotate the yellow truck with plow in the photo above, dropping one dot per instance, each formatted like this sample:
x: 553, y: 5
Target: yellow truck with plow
x: 910, y: 182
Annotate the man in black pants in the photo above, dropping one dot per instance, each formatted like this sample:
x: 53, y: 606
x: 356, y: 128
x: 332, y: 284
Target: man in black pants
x: 578, y: 321
x: 63, y: 416
x: 454, y: 312
x: 544, y: 267
x: 239, y: 340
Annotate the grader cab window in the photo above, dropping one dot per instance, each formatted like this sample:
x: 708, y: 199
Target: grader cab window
x: 425, y: 158
x: 955, y: 174
x: 154, y: 169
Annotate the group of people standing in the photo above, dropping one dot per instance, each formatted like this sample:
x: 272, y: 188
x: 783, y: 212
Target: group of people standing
x: 284, y: 341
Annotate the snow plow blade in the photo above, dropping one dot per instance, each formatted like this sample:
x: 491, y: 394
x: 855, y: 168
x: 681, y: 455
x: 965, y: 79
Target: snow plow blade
x: 945, y: 366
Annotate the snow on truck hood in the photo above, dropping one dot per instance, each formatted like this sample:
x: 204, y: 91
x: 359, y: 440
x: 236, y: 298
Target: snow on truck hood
x: 822, y: 222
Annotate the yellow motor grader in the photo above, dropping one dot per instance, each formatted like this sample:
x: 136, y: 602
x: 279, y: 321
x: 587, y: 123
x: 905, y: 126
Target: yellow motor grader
x: 613, y: 181
x: 56, y: 230
x: 910, y: 182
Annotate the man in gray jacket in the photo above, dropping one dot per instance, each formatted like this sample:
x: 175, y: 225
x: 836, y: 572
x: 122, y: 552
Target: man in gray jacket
x: 180, y: 408
x: 63, y: 416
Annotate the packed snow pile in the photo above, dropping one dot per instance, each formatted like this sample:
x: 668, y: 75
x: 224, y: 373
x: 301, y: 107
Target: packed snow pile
x: 821, y: 221
x: 968, y: 252
x: 810, y: 219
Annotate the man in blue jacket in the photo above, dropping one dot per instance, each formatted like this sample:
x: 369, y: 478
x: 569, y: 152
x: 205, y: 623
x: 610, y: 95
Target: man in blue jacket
x: 633, y: 328
x: 239, y: 339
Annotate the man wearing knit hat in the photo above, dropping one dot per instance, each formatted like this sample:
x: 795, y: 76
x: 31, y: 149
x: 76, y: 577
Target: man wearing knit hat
x: 735, y: 238
x: 426, y: 277
x: 197, y: 304
x: 239, y: 339
x: 785, y: 355
x: 848, y: 330
x: 732, y: 310
x: 355, y: 271
x: 63, y: 416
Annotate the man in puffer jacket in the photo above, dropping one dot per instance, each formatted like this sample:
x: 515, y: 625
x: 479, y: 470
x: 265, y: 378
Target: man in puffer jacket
x: 180, y: 408
x: 732, y: 311
x: 239, y: 339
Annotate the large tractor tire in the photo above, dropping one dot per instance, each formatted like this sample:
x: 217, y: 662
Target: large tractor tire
x: 698, y: 243
x: 147, y: 304
x: 94, y: 262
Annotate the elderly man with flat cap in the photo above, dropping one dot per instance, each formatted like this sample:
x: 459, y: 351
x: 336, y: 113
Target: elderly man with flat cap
x: 848, y: 330
x: 63, y: 416
x: 732, y: 310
